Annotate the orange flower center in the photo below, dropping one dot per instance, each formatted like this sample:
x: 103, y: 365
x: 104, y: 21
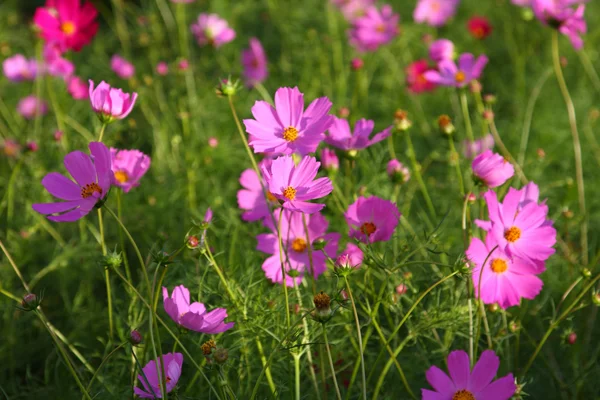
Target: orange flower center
x: 380, y: 28
x: 421, y: 80
x: 463, y: 394
x: 121, y: 176
x: 289, y: 193
x: 290, y: 134
x: 479, y: 33
x: 299, y: 245
x: 270, y: 197
x: 89, y: 189
x: 499, y: 265
x: 513, y: 234
x: 460, y: 77
x: 435, y: 6
x: 67, y: 27
x: 368, y: 228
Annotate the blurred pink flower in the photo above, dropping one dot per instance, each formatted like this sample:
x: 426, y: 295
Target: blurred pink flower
x: 435, y: 12
x: 92, y: 176
x: 398, y: 172
x: 415, y: 77
x: 193, y: 316
x: 123, y: 68
x: 172, y: 369
x: 60, y: 67
x: 77, y: 88
x: 329, y: 160
x: 32, y: 146
x: 342, y: 138
x: 473, y: 149
x: 374, y: 29
x: 352, y: 9
x: 288, y: 128
x: 67, y: 23
x: 162, y: 68
x: 479, y: 27
x: 29, y: 107
x: 521, y: 3
x: 18, y: 68
x: 128, y: 167
x: 11, y: 148
x: 351, y: 257
x: 213, y: 142
x: 357, y: 63
x: 252, y: 198
x: 492, y: 169
x: 110, y: 103
x: 449, y: 74
x: 561, y: 15
x: 254, y: 61
x: 372, y: 219
x: 210, y: 29
x: 440, y: 50
x: 183, y: 64
x: 295, y: 246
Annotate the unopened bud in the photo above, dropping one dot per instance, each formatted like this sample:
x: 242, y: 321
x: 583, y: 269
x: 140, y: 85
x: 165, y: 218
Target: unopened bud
x: 475, y: 86
x: 586, y: 273
x: 192, y: 242
x: 401, y: 121
x: 514, y: 326
x: 488, y: 115
x: 30, y: 302
x: 397, y: 172
x: 571, y: 338
x: 445, y: 124
x: 401, y: 289
x: 319, y: 244
x: 135, y: 337
x: 596, y: 298
x: 489, y: 99
x: 471, y: 198
x: 58, y: 136
x: 32, y: 146
x: 344, y: 112
x: 227, y: 87
x: 493, y: 307
x: 407, y: 275
x: 113, y: 260
x: 540, y: 153
x: 357, y: 64
x: 344, y: 296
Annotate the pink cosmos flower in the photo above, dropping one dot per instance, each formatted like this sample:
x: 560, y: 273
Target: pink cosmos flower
x: 352, y: 9
x: 342, y: 138
x: 18, y: 68
x: 357, y: 63
x: 296, y: 185
x: 252, y: 198
x: 120, y: 66
x: 351, y: 257
x: 128, y: 167
x: 212, y: 30
x: 435, y: 12
x: 67, y: 23
x: 492, y: 169
x: 92, y: 176
x: 521, y: 3
x: 11, y: 148
x: 77, y: 88
x: 162, y: 68
x: 183, y: 64
x: 415, y: 77
x: 504, y: 279
x: 254, y: 61
x: 213, y: 142
x: 173, y: 363
x: 464, y: 383
x: 473, y: 149
x: 561, y: 15
x: 526, y: 233
x: 295, y: 246
x: 110, y: 103
x: 374, y: 29
x: 440, y: 50
x: 194, y: 316
x: 329, y: 160
x: 397, y: 171
x: 479, y: 27
x: 32, y: 146
x: 29, y: 107
x: 449, y: 74
x: 372, y: 219
x: 288, y: 128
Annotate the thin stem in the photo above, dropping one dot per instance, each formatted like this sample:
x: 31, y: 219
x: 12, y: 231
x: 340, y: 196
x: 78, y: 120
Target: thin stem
x: 337, y: 389
x: 89, y: 386
x: 464, y: 104
x: 470, y: 303
x: 263, y: 92
x: 388, y: 365
x: 305, y: 342
x: 310, y: 254
x: 417, y: 173
x: 266, y: 367
x: 360, y: 344
x: 576, y: 145
x: 211, y: 260
x: 243, y: 136
x: 121, y: 239
x: 297, y: 375
x: 283, y: 275
x: 106, y: 276
x: 506, y: 153
x: 455, y: 157
x: 102, y: 131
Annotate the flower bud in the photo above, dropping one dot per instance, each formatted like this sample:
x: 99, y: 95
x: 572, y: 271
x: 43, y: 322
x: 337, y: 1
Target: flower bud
x: 183, y: 64
x: 596, y: 298
x: 401, y: 289
x: 192, y: 242
x: 329, y: 160
x: 514, y: 326
x: 493, y: 307
x: 135, y: 337
x: 445, y: 125
x: 343, y: 296
x: 344, y: 112
x: 401, y: 121
x: 319, y: 244
x: 228, y: 88
x: 30, y: 302
x: 357, y: 64
x: 221, y: 355
x: 213, y: 142
x: 407, y: 275
x: 586, y: 273
x: 488, y: 115
x: 471, y: 198
x: 113, y: 260
x: 397, y: 172
x: 571, y: 338
x: 489, y: 99
x: 32, y: 146
x: 475, y: 86
x: 540, y: 153
x: 58, y: 136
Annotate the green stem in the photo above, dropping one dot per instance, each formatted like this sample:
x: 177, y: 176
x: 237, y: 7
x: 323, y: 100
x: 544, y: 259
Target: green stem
x: 106, y: 276
x: 89, y: 386
x: 102, y: 129
x: 263, y: 92
x: 266, y: 367
x: 387, y: 367
x: 337, y: 389
x: 243, y: 136
x: 464, y: 103
x: 121, y: 238
x: 360, y: 344
x: 454, y: 156
x: 211, y: 260
x: 417, y: 173
x: 283, y: 274
x: 297, y: 375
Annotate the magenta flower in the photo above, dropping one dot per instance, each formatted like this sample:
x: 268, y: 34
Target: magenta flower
x: 329, y: 160
x: 372, y: 219
x: 415, y: 77
x: 77, y: 88
x: 128, y: 167
x: 173, y: 363
x: 492, y: 169
x: 351, y: 257
x: 466, y: 384
x: 374, y: 29
x: 295, y: 246
x: 288, y: 128
x: 530, y: 193
x: 120, y: 66
x: 92, y: 176
x: 521, y: 3
x: 473, y: 149
x: 527, y: 233
x: 353, y: 9
x: 252, y: 197
x: 341, y: 137
x: 162, y: 68
x: 18, y: 68
x: 435, y: 12
x: 67, y: 23
x: 194, y: 316
x: 295, y: 185
x: 210, y: 29
x: 29, y: 107
x: 449, y: 74
x: 503, y: 279
x: 561, y: 15
x: 254, y: 61
x: 110, y: 103
x: 397, y: 171
x: 440, y: 50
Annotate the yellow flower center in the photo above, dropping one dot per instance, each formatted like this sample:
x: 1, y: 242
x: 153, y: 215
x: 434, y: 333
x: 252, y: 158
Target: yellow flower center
x: 289, y: 193
x: 299, y: 245
x: 89, y: 189
x: 463, y: 394
x: 290, y: 134
x: 513, y: 234
x: 499, y: 265
x: 368, y: 228
x: 67, y: 27
x: 121, y: 177
x: 460, y: 77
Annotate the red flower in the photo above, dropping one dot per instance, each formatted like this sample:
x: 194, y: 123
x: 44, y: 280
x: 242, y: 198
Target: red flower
x: 415, y: 77
x: 479, y: 27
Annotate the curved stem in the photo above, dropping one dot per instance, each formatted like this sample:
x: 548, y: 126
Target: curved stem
x: 297, y: 375
x: 337, y: 389
x: 106, y: 276
x: 243, y: 136
x: 464, y: 104
x: 576, y: 144
x: 283, y: 275
x: 417, y: 173
x: 211, y: 260
x: 360, y: 344
x: 387, y: 367
x: 457, y: 165
x: 506, y: 153
x: 89, y: 386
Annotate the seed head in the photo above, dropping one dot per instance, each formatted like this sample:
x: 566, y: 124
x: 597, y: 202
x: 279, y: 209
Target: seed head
x: 221, y: 355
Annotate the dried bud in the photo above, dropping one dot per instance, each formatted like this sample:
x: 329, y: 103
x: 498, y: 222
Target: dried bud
x: 445, y: 124
x: 135, y: 337
x: 207, y: 347
x: 407, y: 275
x: 401, y: 121
x: 221, y: 355
x: 568, y: 214
x: 322, y: 303
x: 30, y: 302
